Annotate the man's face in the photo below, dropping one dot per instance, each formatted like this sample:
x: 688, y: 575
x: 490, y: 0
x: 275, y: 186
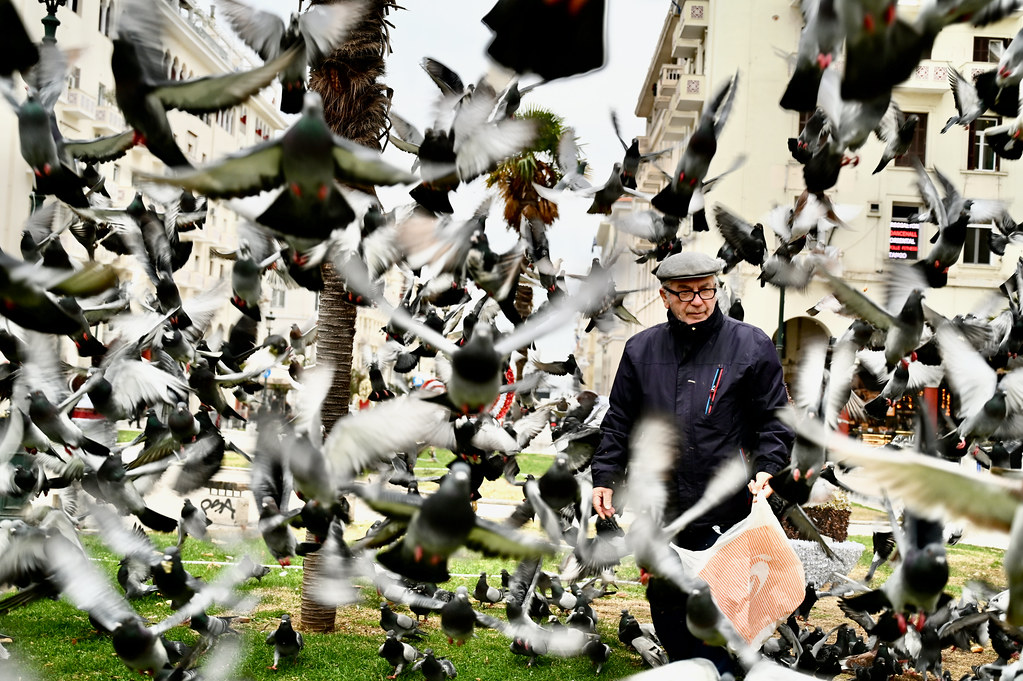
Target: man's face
x: 695, y: 310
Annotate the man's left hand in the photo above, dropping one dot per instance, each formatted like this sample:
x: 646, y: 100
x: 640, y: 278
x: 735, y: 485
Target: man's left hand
x: 759, y: 483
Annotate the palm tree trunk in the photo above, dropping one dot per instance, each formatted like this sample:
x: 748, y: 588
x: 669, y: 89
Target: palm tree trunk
x: 355, y: 106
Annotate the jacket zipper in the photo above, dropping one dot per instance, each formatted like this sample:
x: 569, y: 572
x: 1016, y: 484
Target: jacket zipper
x: 713, y: 390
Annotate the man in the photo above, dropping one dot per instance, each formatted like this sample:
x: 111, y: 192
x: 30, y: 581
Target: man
x: 722, y: 380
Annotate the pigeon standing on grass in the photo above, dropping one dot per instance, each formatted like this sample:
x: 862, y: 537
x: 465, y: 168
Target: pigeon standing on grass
x: 399, y: 624
x: 397, y: 653
x: 486, y: 594
x: 435, y: 668
x: 286, y: 641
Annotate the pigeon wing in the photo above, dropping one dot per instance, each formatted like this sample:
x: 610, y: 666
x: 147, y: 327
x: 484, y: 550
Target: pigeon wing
x: 355, y: 164
x: 248, y: 172
x: 492, y: 539
x: 859, y: 304
x: 928, y: 484
x: 101, y: 149
x: 969, y: 375
x: 261, y: 31
x: 324, y: 27
x: 214, y: 93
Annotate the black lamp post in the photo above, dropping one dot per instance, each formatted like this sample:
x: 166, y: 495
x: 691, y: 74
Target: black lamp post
x: 50, y: 21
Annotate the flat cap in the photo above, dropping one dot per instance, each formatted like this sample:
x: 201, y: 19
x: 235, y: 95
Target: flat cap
x: 688, y: 265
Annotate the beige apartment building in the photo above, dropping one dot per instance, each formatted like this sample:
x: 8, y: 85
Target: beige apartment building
x: 195, y: 45
x: 702, y: 43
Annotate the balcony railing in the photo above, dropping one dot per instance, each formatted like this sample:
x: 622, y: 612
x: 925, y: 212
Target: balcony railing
x: 929, y: 76
x: 78, y: 103
x: 109, y: 118
x: 668, y: 82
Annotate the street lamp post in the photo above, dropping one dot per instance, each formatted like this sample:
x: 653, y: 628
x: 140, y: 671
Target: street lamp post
x: 50, y: 21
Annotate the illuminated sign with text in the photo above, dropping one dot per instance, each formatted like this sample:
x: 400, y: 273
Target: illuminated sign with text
x: 903, y: 241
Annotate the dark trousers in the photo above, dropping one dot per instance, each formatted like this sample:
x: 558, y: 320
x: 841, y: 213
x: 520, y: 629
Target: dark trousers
x: 668, y: 610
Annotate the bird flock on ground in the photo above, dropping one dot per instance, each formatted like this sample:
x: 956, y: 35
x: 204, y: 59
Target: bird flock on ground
x: 152, y: 356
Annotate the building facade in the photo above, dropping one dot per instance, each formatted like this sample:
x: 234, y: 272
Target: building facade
x: 703, y: 43
x: 195, y: 45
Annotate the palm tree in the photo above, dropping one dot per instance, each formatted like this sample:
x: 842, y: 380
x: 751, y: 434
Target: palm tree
x: 355, y: 106
x: 514, y: 179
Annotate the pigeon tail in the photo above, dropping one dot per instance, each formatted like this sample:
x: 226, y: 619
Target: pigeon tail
x: 425, y: 570
x: 436, y: 200
x: 157, y: 521
x: 251, y: 311
x: 292, y: 97
x: 674, y: 201
x: 801, y: 93
x: 877, y: 407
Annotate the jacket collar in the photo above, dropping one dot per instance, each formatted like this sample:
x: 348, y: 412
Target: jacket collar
x: 690, y: 334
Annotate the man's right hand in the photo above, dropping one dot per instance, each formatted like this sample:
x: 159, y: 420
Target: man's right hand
x: 602, y: 501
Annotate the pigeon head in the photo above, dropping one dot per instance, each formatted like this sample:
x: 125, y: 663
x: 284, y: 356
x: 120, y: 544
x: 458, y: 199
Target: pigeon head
x: 312, y: 104
x: 927, y: 569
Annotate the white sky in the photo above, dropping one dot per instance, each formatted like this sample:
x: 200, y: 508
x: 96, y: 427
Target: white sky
x: 451, y: 31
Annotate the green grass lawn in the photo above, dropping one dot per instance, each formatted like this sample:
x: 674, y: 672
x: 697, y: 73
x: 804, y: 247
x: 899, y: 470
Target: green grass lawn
x: 57, y: 641
x: 966, y: 562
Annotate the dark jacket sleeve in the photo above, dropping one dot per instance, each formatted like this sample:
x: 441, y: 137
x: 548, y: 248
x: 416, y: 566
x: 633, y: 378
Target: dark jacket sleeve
x: 612, y: 456
x: 773, y: 447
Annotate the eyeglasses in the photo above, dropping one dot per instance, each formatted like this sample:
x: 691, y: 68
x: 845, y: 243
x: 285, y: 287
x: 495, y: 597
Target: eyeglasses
x: 687, y: 296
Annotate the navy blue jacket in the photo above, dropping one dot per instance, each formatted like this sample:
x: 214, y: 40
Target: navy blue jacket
x: 722, y: 380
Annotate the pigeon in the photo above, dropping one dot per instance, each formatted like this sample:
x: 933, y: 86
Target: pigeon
x: 307, y: 162
x: 484, y: 593
x: 318, y: 31
x: 514, y: 22
x: 457, y: 617
x: 896, y: 130
x: 438, y: 525
x: 702, y: 145
x: 193, y: 522
x: 212, y: 628
x: 746, y: 240
x: 22, y: 52
x: 1010, y: 63
x: 399, y: 625
x: 435, y: 668
x: 883, y: 543
x: 633, y: 159
x: 989, y: 405
x: 144, y: 95
x: 286, y: 641
x: 397, y: 653
x: 598, y: 652
x: 904, y: 330
x: 818, y: 43
x: 968, y: 103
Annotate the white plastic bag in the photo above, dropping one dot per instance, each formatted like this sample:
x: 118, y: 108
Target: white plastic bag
x: 753, y: 572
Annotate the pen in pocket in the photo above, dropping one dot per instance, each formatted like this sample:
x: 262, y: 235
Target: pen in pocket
x: 713, y: 390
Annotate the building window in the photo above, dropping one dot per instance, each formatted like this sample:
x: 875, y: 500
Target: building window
x: 979, y: 155
x: 918, y: 147
x: 977, y: 249
x: 277, y: 297
x: 76, y: 6
x: 74, y: 78
x: 982, y: 47
x: 904, y: 233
